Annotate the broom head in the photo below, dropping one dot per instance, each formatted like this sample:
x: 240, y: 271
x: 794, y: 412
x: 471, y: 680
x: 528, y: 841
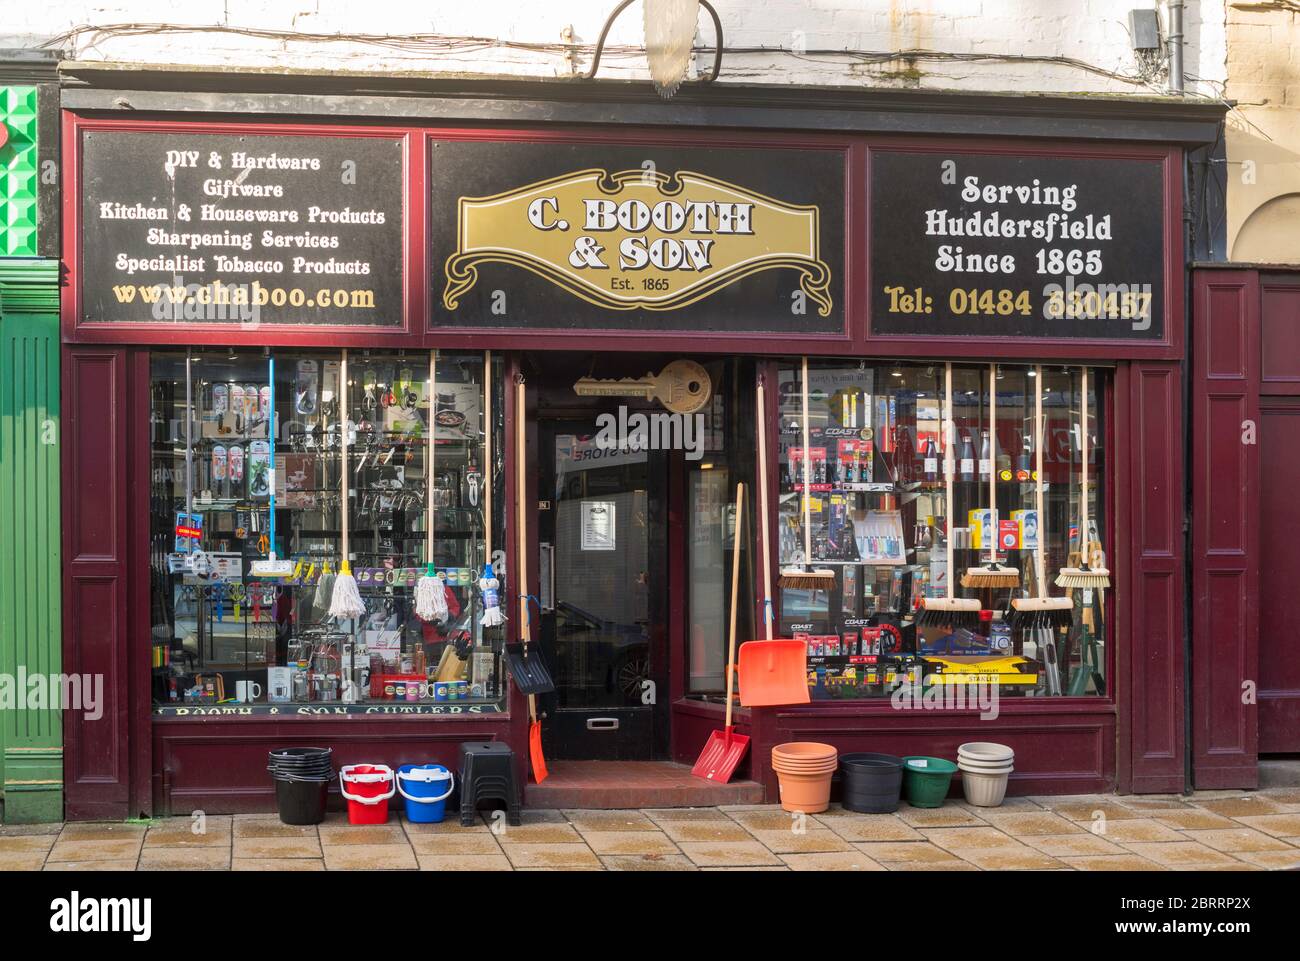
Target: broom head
x: 812, y: 580
x: 1083, y: 577
x: 1031, y: 612
x: 954, y: 612
x: 990, y: 575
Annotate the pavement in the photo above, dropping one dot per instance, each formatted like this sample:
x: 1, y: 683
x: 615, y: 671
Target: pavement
x: 1208, y: 830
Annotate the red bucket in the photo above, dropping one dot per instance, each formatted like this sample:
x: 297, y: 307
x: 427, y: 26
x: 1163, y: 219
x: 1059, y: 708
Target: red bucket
x: 367, y: 788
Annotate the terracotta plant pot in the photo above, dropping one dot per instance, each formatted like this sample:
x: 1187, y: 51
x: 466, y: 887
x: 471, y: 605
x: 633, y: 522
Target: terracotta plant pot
x: 804, y: 751
x: 809, y: 793
x: 804, y: 770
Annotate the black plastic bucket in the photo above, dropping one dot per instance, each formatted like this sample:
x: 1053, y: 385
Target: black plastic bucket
x: 302, y: 777
x: 300, y: 802
x: 873, y: 783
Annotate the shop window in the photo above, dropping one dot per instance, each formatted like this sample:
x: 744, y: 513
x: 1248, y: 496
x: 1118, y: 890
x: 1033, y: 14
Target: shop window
x: 726, y: 459
x: 224, y: 635
x: 878, y: 518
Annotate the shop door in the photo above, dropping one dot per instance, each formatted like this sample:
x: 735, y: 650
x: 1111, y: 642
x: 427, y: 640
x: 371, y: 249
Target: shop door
x: 603, y: 575
x: 1279, y: 572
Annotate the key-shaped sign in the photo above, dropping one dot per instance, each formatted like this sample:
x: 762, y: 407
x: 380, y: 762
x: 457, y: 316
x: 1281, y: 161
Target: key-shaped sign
x: 683, y: 387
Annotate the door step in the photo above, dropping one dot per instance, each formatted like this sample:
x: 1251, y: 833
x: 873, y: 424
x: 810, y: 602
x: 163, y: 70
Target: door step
x: 1279, y: 772
x: 616, y: 785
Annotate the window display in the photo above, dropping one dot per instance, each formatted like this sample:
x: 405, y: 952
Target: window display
x: 276, y: 474
x: 889, y: 470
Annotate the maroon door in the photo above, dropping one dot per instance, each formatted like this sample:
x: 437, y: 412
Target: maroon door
x: 1279, y: 577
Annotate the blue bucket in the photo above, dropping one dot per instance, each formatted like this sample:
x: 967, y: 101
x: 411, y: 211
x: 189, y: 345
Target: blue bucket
x: 425, y: 788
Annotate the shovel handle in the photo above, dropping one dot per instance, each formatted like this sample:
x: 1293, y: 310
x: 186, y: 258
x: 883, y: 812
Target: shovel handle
x: 735, y: 598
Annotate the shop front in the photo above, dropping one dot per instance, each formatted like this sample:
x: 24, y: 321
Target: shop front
x: 300, y: 349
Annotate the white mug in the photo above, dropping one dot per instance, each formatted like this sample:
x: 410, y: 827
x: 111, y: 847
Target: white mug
x: 246, y: 691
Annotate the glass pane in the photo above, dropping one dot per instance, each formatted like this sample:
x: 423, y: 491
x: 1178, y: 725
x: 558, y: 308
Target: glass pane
x: 877, y: 515
x: 226, y: 633
x: 602, y: 574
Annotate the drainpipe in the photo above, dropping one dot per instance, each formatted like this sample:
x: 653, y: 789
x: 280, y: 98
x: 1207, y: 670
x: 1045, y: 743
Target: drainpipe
x: 1176, y: 47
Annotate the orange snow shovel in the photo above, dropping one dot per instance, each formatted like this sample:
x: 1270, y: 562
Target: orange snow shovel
x: 535, y: 756
x: 773, y: 673
x: 724, y: 749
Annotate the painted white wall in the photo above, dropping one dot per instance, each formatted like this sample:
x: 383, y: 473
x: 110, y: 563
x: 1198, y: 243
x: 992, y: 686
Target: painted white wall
x: 434, y: 36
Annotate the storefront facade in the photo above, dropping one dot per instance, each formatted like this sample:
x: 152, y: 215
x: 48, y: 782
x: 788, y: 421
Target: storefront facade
x: 386, y: 271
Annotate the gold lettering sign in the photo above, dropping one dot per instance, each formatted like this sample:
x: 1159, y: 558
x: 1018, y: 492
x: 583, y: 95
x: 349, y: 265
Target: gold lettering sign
x: 637, y: 238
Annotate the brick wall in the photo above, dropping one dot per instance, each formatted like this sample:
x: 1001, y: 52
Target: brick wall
x: 1091, y: 31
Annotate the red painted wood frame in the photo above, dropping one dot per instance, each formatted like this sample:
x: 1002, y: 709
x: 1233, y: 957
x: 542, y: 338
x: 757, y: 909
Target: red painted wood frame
x: 414, y: 305
x: 128, y: 762
x: 419, y: 270
x: 1132, y: 739
x: 1225, y: 481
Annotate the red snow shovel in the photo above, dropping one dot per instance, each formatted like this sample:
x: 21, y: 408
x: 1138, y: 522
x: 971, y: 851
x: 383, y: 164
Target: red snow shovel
x: 725, y: 748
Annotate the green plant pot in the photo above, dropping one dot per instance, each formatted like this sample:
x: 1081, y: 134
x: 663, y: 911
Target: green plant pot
x: 926, y: 783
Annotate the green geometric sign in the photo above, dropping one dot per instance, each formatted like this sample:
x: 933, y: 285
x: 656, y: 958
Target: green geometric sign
x: 18, y: 172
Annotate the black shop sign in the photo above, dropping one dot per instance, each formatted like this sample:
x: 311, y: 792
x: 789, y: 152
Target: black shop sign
x: 242, y: 229
x: 1034, y: 246
x: 582, y: 236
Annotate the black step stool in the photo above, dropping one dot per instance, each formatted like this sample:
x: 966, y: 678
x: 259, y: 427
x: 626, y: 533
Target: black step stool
x: 487, y: 770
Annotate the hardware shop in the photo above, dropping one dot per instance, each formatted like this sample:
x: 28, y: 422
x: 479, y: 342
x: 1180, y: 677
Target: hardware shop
x: 902, y: 371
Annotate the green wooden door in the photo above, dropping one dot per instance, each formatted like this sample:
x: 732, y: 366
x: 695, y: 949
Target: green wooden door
x: 31, y: 757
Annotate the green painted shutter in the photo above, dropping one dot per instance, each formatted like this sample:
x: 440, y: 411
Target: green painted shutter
x: 31, y: 756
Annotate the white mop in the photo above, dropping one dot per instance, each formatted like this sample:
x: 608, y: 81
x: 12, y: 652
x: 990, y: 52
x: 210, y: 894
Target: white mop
x: 345, y: 603
x: 489, y: 585
x: 431, y: 589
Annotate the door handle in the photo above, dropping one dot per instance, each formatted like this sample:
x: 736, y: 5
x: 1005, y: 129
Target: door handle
x: 602, y: 724
x: 547, y: 577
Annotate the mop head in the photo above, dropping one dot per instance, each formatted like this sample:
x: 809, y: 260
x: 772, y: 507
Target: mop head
x: 490, y: 587
x: 954, y: 612
x: 990, y: 576
x: 818, y: 580
x: 1037, y: 612
x: 431, y: 597
x: 345, y: 600
x: 320, y: 604
x: 1083, y: 577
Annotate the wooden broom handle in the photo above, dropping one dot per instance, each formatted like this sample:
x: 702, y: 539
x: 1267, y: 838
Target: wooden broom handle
x: 1040, y: 554
x: 343, y: 441
x: 807, y: 473
x: 735, y: 596
x: 948, y: 428
x: 1083, y: 483
x: 993, y: 462
x: 521, y: 511
x: 762, y: 505
x: 487, y: 456
x: 433, y: 442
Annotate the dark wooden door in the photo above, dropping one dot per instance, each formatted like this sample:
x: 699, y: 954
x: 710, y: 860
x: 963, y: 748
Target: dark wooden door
x: 1279, y: 577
